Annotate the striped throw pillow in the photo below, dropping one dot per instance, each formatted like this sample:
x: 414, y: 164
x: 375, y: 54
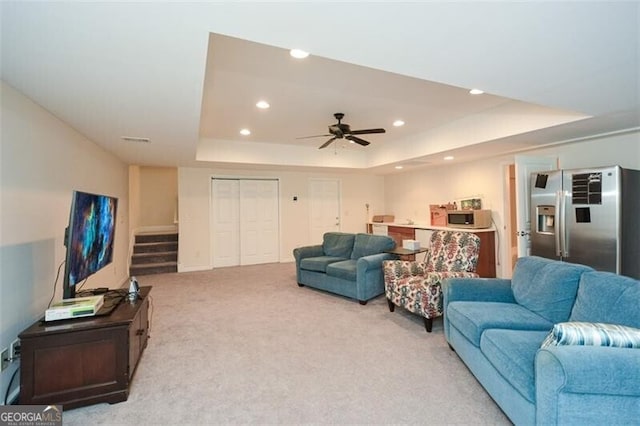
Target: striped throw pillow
x: 592, y: 334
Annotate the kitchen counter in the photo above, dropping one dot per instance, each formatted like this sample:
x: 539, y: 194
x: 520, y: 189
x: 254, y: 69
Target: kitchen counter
x: 418, y: 231
x: 432, y: 228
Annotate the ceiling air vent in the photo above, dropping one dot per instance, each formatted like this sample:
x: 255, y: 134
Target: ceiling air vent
x: 136, y: 139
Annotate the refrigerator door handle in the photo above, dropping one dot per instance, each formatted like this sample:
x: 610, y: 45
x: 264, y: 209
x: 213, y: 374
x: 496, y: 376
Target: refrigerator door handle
x: 564, y: 247
x: 559, y: 226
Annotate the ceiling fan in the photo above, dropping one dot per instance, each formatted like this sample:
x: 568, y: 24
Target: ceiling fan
x: 343, y: 131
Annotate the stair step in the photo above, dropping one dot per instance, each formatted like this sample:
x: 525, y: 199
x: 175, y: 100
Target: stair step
x: 155, y: 247
x: 154, y: 257
x: 153, y: 268
x: 157, y: 237
x: 154, y: 253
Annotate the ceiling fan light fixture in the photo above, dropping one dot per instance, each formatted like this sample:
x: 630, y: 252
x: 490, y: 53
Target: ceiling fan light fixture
x: 298, y: 53
x: 398, y: 123
x: 476, y: 91
x: 341, y: 130
x: 245, y: 132
x: 263, y: 104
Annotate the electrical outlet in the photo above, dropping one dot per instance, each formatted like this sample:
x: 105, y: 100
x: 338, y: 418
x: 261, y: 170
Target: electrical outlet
x: 4, y: 358
x: 14, y: 350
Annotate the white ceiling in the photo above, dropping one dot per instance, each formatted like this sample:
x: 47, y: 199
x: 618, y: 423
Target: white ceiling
x: 187, y: 76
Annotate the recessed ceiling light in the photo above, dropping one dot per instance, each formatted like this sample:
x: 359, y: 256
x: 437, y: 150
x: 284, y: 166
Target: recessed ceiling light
x: 298, y: 53
x: 245, y: 132
x: 448, y: 157
x: 476, y: 91
x: 399, y: 167
x: 263, y: 104
x: 398, y: 123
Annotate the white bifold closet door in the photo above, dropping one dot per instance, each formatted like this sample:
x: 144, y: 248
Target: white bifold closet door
x: 245, y: 222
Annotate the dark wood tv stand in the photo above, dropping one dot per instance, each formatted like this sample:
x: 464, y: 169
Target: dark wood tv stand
x: 84, y: 361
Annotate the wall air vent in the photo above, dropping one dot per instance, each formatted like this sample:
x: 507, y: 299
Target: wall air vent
x: 135, y: 139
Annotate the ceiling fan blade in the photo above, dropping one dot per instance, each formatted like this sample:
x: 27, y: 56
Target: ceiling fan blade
x: 367, y: 131
x: 327, y: 143
x: 357, y: 140
x: 316, y: 136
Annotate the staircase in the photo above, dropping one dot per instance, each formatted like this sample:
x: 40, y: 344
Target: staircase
x: 154, y: 254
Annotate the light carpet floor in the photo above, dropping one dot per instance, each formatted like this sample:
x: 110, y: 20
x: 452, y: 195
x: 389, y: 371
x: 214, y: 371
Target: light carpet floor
x: 246, y: 345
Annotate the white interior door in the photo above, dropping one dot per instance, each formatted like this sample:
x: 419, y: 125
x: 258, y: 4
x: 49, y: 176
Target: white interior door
x: 225, y: 211
x: 324, y: 205
x: 259, y: 235
x: 525, y: 165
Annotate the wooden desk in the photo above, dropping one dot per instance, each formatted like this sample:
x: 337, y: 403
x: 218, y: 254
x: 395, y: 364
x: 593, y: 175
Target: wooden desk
x: 84, y: 361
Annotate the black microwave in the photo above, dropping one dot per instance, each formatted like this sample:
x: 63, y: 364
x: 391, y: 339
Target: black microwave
x: 469, y: 218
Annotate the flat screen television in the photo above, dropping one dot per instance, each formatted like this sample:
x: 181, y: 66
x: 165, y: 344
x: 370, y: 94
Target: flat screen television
x: 89, y: 238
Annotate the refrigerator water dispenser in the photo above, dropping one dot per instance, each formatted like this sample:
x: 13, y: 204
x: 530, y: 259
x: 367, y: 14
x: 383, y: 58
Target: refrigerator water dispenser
x: 546, y: 220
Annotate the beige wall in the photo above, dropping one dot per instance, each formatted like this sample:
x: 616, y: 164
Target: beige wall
x: 43, y: 161
x: 134, y: 198
x: 158, y: 197
x: 406, y: 195
x: 409, y: 194
x: 194, y: 188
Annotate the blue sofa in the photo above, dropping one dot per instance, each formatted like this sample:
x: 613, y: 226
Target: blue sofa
x: 346, y: 264
x: 509, y: 333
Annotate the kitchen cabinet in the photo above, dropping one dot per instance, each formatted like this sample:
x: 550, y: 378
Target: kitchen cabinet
x: 486, y: 258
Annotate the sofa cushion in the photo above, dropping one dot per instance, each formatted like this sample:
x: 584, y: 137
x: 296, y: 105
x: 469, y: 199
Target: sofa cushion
x: 338, y: 244
x: 607, y: 298
x: 318, y: 263
x: 593, y: 334
x: 512, y: 353
x: 473, y: 318
x: 368, y: 244
x: 345, y: 269
x: 546, y: 287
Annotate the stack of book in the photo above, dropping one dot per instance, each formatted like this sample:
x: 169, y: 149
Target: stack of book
x: 74, y: 308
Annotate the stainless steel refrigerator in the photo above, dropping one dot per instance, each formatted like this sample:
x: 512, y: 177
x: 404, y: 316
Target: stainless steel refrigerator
x: 588, y: 216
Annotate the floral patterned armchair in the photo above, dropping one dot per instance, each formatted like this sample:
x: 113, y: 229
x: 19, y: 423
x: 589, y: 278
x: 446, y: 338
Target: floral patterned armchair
x: 416, y: 286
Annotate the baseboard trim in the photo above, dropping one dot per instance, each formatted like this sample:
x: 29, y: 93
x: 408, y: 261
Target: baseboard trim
x: 193, y: 268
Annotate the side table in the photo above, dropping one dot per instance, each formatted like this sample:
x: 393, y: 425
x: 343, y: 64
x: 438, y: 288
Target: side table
x: 406, y: 254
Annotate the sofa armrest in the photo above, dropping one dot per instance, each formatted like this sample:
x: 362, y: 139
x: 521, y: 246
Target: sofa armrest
x: 369, y: 275
x: 300, y: 253
x: 373, y: 261
x: 593, y: 383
